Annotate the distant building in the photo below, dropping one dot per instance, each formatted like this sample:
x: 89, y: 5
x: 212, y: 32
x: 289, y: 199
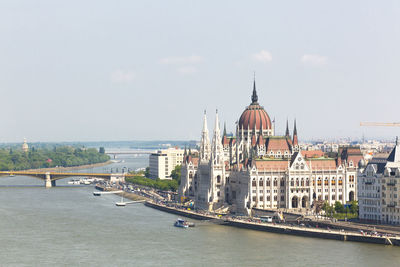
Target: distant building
x: 258, y: 169
x: 25, y: 146
x: 379, y: 190
x: 164, y: 162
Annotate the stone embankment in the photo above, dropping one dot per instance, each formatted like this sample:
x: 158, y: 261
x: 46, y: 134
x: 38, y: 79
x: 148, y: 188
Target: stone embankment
x: 282, y: 228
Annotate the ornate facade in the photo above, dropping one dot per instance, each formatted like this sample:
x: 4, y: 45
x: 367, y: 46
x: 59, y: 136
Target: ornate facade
x: 257, y: 169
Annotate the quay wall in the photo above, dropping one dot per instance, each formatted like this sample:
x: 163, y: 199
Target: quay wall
x: 184, y: 213
x: 283, y: 229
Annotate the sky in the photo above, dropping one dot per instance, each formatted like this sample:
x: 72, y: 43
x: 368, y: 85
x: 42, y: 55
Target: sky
x: 142, y: 70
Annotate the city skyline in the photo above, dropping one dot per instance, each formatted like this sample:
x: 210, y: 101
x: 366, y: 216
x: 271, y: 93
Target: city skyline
x: 131, y: 71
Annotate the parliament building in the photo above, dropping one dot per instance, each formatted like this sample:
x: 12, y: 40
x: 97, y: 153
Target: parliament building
x: 258, y: 169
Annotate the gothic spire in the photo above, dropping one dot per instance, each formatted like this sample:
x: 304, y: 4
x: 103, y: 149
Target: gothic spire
x: 287, y: 128
x: 224, y: 129
x: 205, y: 146
x: 254, y: 97
x: 216, y: 148
x: 295, y: 139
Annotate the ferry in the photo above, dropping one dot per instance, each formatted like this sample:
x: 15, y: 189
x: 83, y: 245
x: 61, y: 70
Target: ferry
x: 181, y: 223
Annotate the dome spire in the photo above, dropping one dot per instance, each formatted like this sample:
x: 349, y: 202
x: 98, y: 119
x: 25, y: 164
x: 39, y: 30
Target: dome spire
x: 254, y: 97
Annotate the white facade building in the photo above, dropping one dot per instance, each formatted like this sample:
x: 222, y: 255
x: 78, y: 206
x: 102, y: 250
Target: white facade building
x: 257, y: 169
x: 164, y: 162
x: 379, y: 191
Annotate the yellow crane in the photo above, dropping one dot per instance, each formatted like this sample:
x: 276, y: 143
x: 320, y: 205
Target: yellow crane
x: 388, y: 124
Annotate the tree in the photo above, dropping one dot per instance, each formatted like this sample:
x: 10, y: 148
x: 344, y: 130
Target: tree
x: 147, y: 172
x: 339, y: 208
x: 176, y: 173
x: 354, y: 207
x: 102, y: 150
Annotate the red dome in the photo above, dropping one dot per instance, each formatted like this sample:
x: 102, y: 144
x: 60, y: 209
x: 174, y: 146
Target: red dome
x: 255, y: 115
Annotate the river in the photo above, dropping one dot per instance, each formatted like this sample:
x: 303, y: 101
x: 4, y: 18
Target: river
x: 68, y: 226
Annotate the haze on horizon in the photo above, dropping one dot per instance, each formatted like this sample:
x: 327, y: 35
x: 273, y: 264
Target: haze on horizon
x: 142, y: 70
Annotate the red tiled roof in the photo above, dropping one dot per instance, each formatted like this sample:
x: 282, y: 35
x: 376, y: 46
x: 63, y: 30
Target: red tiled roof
x: 271, y: 164
x: 312, y: 153
x: 322, y: 164
x: 277, y: 144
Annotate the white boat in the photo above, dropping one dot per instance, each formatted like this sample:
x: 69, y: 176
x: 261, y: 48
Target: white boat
x: 74, y: 181
x: 122, y: 203
x: 181, y: 223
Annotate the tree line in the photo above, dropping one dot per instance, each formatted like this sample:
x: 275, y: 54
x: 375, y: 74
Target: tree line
x: 61, y: 156
x: 143, y: 178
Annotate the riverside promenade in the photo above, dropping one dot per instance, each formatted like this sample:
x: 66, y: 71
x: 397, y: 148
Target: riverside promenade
x: 281, y: 228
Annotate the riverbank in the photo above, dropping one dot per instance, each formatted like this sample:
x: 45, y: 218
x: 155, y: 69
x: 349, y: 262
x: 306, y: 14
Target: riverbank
x: 282, y: 228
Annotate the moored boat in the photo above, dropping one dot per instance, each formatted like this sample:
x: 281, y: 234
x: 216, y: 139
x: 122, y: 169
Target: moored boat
x: 181, y: 223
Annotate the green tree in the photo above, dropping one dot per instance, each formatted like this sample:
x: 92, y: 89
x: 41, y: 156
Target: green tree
x: 354, y: 207
x: 147, y: 172
x: 176, y: 174
x: 339, y: 208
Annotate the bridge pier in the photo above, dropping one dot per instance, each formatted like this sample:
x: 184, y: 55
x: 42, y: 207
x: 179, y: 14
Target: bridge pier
x: 48, y: 183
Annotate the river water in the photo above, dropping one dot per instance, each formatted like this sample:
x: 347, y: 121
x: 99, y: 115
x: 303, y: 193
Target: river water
x: 68, y: 226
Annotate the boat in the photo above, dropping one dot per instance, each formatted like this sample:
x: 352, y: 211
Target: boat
x: 121, y: 204
x: 74, y: 181
x: 181, y: 223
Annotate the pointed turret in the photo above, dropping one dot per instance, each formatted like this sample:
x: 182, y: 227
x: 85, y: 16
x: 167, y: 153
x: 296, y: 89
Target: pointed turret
x: 217, y: 150
x: 224, y: 129
x: 295, y: 139
x: 205, y: 146
x: 287, y: 128
x: 394, y: 155
x: 254, y: 97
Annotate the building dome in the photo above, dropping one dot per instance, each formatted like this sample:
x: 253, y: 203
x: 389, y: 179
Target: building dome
x: 254, y: 115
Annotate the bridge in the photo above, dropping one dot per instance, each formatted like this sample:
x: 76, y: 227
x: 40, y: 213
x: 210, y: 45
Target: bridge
x: 50, y: 178
x: 114, y: 153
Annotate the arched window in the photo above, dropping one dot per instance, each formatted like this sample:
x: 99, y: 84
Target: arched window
x: 275, y: 182
x: 297, y: 182
x: 190, y: 175
x: 326, y: 182
x: 302, y: 166
x: 218, y: 179
x: 333, y: 182
x: 307, y: 182
x: 340, y: 181
x: 302, y: 182
x: 292, y: 182
x: 268, y: 182
x: 319, y: 182
x: 261, y: 182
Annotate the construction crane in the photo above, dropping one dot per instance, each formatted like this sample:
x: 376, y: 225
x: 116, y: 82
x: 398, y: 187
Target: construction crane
x: 388, y: 124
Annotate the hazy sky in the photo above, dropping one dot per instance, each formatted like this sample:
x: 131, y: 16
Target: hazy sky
x: 140, y: 70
